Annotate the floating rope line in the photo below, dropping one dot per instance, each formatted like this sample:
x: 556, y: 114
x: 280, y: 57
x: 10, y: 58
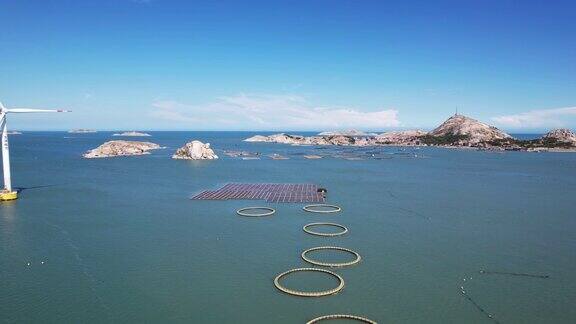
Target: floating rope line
x: 327, y: 264
x: 314, y: 208
x: 344, y: 229
x: 480, y: 308
x: 306, y: 293
x: 413, y: 212
x: 341, y: 316
x: 242, y: 211
x: 515, y: 274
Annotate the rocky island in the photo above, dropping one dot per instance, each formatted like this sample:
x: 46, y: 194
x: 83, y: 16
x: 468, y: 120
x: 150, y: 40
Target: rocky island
x: 131, y: 134
x: 195, y: 150
x: 121, y: 148
x: 81, y: 131
x: 456, y: 131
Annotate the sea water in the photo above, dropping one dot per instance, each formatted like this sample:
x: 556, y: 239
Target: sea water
x: 119, y: 240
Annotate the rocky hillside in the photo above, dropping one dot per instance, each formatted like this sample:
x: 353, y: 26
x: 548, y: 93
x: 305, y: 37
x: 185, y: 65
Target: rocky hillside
x: 468, y: 131
x: 561, y: 135
x: 307, y: 140
x: 351, y: 132
x: 409, y: 137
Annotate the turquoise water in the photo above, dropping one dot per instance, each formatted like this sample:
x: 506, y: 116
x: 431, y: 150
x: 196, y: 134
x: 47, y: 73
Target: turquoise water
x: 118, y: 240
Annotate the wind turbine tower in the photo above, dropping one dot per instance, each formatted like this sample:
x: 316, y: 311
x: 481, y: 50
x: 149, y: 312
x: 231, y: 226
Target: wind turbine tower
x: 7, y: 193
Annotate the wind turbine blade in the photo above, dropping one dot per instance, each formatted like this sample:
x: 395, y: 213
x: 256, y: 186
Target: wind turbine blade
x: 28, y: 110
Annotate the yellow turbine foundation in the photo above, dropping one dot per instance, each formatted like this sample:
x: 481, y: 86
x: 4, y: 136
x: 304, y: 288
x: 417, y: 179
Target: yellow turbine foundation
x: 8, y: 195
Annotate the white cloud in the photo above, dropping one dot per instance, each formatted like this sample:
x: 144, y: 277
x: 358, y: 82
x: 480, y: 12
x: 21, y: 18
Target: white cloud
x: 545, y: 118
x: 273, y: 112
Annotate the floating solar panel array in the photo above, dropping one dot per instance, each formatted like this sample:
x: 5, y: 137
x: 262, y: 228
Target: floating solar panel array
x: 271, y: 192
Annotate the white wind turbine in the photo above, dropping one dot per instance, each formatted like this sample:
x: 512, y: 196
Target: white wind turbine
x: 7, y: 193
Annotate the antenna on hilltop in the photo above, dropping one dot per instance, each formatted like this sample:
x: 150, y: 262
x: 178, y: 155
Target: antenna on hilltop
x: 456, y: 114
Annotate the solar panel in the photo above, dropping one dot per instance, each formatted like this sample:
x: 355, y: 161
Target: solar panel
x: 271, y: 192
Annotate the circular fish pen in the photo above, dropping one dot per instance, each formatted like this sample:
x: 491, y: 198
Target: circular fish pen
x: 249, y: 211
x: 319, y: 208
x: 331, y: 264
x: 307, y: 229
x: 309, y: 293
x: 341, y: 316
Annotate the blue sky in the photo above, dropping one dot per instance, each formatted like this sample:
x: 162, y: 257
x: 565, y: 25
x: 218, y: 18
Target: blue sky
x: 298, y: 65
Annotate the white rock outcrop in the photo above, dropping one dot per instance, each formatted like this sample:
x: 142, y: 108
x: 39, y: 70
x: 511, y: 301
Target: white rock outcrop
x: 195, y: 150
x: 121, y: 148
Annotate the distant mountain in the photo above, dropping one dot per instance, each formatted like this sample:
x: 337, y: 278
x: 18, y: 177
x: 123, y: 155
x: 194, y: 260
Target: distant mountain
x: 469, y: 130
x: 351, y: 132
x: 456, y: 131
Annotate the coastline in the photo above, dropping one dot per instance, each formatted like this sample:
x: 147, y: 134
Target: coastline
x: 452, y: 147
x: 458, y: 131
